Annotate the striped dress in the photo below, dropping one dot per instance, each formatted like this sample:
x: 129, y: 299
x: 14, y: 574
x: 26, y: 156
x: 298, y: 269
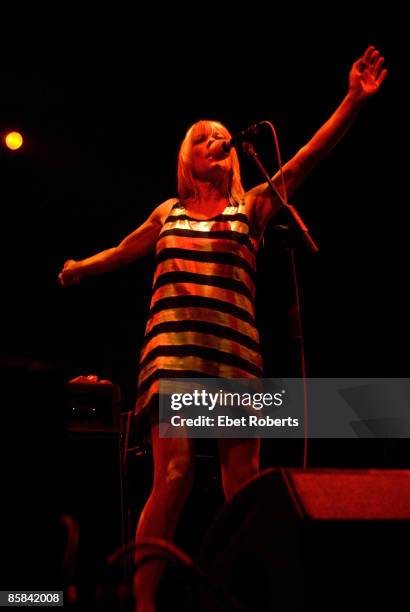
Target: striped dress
x: 202, y: 318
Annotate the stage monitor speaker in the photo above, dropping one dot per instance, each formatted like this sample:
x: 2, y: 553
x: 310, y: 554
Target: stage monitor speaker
x: 317, y: 539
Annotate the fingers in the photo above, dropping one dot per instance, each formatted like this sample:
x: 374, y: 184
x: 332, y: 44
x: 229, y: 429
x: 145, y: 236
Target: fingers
x: 382, y: 76
x: 364, y: 61
x: 378, y: 67
x: 372, y: 62
x: 63, y: 282
x: 67, y: 281
x: 368, y: 54
x: 68, y: 276
x: 374, y: 57
x: 370, y: 59
x: 377, y: 70
x: 375, y: 66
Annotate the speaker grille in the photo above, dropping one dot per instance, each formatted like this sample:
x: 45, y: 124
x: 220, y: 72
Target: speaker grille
x: 353, y: 495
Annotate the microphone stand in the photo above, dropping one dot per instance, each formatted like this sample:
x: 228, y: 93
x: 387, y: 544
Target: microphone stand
x: 294, y: 310
x: 249, y: 150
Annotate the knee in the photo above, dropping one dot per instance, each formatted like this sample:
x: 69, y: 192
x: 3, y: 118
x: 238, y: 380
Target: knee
x: 179, y: 472
x: 175, y: 481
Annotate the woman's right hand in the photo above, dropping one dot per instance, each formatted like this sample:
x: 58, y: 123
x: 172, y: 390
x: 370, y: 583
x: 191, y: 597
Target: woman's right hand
x: 70, y: 274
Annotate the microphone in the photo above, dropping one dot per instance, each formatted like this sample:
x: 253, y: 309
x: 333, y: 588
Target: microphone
x: 220, y: 149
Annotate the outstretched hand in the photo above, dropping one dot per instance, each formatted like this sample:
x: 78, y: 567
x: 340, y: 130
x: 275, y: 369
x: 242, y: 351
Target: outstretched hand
x: 367, y: 74
x: 69, y: 274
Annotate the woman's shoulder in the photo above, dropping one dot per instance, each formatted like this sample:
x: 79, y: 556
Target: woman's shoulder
x: 163, y: 210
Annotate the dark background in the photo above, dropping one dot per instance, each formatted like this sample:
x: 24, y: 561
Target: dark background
x: 103, y: 113
x: 104, y: 101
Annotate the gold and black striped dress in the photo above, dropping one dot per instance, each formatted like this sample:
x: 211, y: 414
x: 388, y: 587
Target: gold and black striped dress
x: 202, y: 318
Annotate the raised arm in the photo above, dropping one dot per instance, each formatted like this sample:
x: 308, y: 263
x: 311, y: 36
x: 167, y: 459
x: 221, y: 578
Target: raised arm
x: 137, y: 244
x: 365, y: 78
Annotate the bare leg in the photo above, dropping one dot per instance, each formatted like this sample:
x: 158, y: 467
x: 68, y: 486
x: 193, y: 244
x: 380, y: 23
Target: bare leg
x: 173, y: 472
x: 239, y: 462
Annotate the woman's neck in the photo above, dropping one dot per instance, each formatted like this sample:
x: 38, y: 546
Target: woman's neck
x: 210, y: 194
x: 209, y: 198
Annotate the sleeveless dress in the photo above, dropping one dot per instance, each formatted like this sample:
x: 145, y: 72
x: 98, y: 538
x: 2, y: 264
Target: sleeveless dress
x: 202, y: 318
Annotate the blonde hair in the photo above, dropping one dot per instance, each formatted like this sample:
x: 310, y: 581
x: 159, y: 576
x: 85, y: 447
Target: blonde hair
x: 186, y: 182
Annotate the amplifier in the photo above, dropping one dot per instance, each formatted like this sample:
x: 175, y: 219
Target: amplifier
x: 92, y: 407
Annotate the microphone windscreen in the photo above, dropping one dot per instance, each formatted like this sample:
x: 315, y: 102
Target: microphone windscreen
x: 220, y: 149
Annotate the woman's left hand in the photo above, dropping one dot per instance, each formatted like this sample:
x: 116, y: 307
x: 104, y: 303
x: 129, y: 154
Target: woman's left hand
x: 367, y: 74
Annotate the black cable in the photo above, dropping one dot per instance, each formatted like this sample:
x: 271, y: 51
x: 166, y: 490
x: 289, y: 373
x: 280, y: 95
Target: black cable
x: 170, y: 552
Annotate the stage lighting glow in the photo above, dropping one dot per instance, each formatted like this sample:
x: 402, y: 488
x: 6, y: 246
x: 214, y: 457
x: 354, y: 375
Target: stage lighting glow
x: 13, y: 140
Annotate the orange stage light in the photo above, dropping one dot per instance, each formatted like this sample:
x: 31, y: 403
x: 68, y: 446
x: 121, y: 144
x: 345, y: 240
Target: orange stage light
x: 13, y: 140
